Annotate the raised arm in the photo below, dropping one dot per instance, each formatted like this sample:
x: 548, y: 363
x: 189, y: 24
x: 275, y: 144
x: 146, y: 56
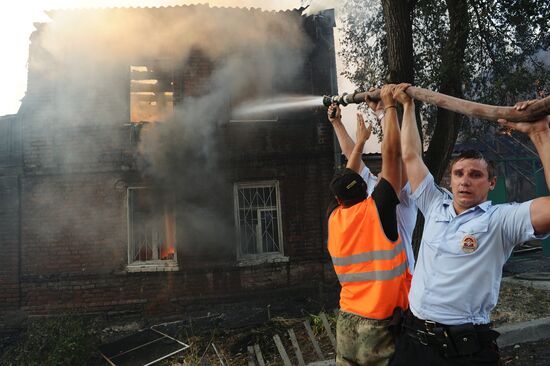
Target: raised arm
x: 363, y: 132
x: 539, y: 133
x: 334, y: 115
x: 391, y: 149
x: 411, y: 144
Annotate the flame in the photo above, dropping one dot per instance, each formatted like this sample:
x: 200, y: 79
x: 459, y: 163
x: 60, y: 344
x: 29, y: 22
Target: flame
x: 148, y: 103
x: 169, y: 248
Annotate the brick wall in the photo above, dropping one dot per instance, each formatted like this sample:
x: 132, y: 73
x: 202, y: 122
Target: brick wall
x: 77, y: 165
x: 9, y: 242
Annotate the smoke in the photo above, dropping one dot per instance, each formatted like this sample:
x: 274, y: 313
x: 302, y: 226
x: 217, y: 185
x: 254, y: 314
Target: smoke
x: 80, y: 71
x: 316, y: 6
x: 261, y: 56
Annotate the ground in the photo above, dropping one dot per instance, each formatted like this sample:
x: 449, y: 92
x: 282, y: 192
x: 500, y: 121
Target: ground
x: 516, y: 304
x: 527, y: 354
x: 239, y: 329
x: 520, y: 303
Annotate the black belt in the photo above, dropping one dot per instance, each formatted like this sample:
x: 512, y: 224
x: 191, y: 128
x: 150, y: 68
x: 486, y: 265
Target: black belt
x: 451, y: 340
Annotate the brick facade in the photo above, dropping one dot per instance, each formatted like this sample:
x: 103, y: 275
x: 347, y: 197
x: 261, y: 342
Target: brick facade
x: 64, y: 211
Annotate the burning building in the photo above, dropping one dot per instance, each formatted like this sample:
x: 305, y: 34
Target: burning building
x: 126, y: 184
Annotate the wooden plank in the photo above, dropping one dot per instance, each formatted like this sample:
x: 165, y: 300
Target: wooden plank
x: 259, y: 356
x: 218, y: 354
x: 323, y: 363
x: 326, y: 324
x: 296, y: 346
x: 251, y: 356
x: 313, y: 341
x: 282, y: 350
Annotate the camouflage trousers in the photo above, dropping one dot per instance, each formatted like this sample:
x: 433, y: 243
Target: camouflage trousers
x: 362, y: 341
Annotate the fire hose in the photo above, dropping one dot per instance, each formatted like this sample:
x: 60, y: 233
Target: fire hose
x: 534, y: 112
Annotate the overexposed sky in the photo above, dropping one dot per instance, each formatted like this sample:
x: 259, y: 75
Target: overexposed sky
x: 16, y: 25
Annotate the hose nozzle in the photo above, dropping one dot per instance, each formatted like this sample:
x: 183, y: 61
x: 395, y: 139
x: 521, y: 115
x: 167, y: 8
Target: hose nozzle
x: 338, y: 99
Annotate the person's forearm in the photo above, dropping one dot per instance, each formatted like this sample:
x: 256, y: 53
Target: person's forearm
x: 390, y: 143
x: 354, y: 162
x: 345, y: 141
x: 541, y: 140
x: 391, y: 149
x: 410, y: 138
x: 412, y: 148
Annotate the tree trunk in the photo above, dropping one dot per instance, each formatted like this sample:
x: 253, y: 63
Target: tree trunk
x: 448, y: 123
x: 452, y: 75
x: 398, y: 26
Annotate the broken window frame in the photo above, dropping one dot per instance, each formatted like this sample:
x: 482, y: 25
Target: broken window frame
x: 256, y: 217
x: 162, y: 63
x: 149, y: 264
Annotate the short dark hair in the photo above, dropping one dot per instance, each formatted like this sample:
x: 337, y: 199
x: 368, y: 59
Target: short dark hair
x: 349, y: 187
x: 475, y: 155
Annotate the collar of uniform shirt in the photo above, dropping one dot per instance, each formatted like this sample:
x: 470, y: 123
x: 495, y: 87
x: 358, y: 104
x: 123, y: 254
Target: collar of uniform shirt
x: 448, y: 203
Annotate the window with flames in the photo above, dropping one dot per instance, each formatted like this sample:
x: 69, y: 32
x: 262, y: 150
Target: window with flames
x: 258, y: 218
x: 151, y: 92
x: 151, y: 229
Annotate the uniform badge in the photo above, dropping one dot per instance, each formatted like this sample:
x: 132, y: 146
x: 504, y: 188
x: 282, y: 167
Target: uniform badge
x: 469, y: 244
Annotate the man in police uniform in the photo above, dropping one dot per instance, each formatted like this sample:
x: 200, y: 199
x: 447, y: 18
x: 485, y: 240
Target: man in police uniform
x: 368, y: 255
x: 465, y: 243
x: 406, y: 209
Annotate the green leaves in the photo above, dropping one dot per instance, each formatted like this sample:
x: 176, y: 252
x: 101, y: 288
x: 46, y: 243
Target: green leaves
x: 502, y: 55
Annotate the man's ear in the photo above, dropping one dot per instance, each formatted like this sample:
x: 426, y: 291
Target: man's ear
x: 493, y: 183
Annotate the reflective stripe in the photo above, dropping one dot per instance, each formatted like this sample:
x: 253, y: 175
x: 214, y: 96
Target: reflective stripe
x: 374, y: 275
x: 369, y: 256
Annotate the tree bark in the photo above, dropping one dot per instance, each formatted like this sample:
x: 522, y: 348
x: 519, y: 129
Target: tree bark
x: 448, y: 123
x: 398, y: 26
x: 452, y: 76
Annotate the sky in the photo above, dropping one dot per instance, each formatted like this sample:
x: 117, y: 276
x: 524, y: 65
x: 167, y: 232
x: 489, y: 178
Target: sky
x: 16, y: 25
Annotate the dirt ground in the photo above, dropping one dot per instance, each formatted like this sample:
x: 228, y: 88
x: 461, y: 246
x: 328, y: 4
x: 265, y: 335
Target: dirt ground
x: 528, y: 354
x: 520, y: 303
x: 516, y: 303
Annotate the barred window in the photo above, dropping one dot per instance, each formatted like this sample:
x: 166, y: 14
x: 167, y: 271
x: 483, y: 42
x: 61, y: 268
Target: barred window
x: 151, y: 230
x: 258, y: 218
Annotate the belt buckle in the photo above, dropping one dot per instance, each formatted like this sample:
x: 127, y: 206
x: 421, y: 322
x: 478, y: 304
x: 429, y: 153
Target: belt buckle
x: 422, y: 337
x: 429, y: 325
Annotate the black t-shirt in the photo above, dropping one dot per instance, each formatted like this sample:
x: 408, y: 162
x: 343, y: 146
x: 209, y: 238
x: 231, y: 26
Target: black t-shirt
x: 386, y: 201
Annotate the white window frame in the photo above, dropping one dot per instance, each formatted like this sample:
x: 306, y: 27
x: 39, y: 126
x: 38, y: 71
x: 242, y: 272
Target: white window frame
x: 258, y: 258
x: 158, y: 265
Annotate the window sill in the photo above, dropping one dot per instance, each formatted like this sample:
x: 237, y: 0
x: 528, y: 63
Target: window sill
x: 261, y: 259
x: 152, y: 266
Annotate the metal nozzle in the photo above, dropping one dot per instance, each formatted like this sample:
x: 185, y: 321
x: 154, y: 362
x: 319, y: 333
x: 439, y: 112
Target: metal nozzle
x: 338, y: 99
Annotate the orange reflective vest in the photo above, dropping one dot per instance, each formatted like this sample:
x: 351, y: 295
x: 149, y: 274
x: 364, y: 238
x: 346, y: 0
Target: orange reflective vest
x: 372, y: 270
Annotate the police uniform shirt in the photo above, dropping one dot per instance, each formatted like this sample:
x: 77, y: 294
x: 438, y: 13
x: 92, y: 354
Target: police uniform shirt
x: 406, y: 213
x: 459, y: 265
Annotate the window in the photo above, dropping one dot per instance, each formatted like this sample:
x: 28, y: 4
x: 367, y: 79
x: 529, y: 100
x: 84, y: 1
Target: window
x: 258, y: 219
x: 151, y: 92
x: 151, y: 232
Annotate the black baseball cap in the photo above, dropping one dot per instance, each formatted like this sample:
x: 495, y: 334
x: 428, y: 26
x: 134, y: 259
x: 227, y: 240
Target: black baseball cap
x: 349, y: 187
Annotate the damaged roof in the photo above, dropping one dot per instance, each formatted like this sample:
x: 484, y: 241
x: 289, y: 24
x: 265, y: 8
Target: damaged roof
x: 54, y: 12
